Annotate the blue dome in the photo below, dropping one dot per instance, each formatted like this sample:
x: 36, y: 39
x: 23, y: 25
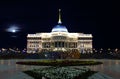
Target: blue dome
x: 59, y: 28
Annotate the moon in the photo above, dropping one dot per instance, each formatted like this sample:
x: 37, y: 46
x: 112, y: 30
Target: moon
x: 13, y: 29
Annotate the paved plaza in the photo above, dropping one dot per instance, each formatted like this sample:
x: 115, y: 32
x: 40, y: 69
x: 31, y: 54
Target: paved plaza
x: 10, y: 70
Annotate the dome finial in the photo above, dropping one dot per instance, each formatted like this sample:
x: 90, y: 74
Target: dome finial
x: 59, y: 20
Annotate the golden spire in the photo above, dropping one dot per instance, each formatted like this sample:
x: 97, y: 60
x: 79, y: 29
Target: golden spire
x: 59, y: 20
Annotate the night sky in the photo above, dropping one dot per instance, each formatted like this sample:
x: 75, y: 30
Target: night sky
x: 96, y: 17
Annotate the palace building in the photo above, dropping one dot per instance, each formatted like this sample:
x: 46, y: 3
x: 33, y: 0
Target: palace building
x: 59, y: 39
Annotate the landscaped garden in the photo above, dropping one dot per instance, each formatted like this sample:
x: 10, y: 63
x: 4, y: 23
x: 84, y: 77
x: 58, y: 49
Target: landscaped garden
x: 60, y: 73
x: 60, y: 69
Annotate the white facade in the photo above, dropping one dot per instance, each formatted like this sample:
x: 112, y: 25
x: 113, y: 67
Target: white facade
x: 59, y: 39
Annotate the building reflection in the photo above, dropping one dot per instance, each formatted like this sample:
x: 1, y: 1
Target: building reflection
x: 9, y: 63
x: 116, y: 62
x: 1, y: 62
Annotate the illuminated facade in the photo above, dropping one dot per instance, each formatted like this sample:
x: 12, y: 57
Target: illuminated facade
x: 59, y: 39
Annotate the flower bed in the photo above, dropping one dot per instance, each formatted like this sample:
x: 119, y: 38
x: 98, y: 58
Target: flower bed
x: 60, y: 73
x: 59, y: 63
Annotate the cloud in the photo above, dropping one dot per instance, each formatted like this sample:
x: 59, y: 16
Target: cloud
x: 13, y: 29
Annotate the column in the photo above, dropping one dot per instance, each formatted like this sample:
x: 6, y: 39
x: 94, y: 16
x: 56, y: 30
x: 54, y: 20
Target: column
x: 76, y: 44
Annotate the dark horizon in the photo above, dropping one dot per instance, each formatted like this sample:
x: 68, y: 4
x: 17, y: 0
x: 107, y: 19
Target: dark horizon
x: 91, y: 17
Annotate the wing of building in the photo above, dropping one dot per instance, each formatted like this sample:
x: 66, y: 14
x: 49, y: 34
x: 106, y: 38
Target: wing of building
x: 59, y: 39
